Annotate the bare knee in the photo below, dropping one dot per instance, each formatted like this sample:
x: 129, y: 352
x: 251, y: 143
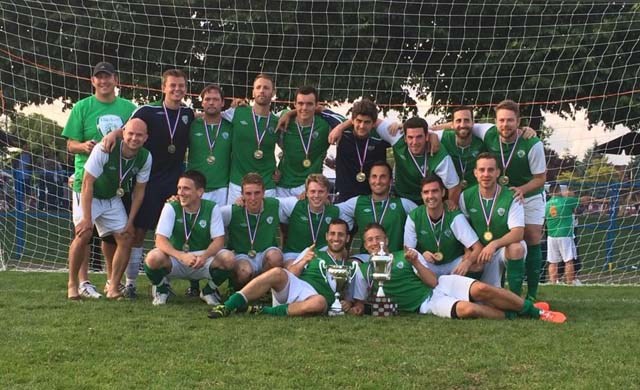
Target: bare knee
x: 480, y: 291
x: 242, y: 273
x: 224, y: 259
x: 157, y: 259
x: 315, y: 305
x: 466, y: 310
x: 272, y: 258
x: 514, y: 251
x: 123, y: 240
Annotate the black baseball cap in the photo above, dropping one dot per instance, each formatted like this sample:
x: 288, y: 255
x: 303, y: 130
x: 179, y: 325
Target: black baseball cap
x: 105, y: 67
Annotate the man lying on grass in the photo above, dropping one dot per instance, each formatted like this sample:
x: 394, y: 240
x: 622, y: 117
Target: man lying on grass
x: 304, y: 288
x: 415, y: 288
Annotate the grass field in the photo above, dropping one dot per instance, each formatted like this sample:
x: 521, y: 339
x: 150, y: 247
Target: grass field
x: 49, y: 342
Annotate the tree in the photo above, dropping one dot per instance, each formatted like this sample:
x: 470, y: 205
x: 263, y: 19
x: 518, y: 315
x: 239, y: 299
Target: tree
x: 549, y: 53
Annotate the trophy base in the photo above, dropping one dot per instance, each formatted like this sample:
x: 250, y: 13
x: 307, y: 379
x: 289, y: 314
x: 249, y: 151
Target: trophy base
x: 383, y: 307
x: 336, y: 309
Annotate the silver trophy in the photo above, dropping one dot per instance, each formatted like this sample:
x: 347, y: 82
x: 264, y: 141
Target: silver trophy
x: 341, y: 274
x: 381, y: 305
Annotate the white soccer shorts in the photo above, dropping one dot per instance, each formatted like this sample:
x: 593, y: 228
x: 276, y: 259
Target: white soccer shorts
x: 561, y: 249
x: 108, y: 215
x: 450, y: 289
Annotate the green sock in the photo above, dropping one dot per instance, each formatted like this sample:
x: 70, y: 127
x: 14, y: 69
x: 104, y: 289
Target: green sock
x: 533, y: 264
x: 219, y: 276
x: 235, y: 301
x: 474, y: 275
x: 510, y: 315
x: 195, y: 284
x: 515, y: 275
x: 529, y: 310
x: 155, y: 275
x: 280, y: 310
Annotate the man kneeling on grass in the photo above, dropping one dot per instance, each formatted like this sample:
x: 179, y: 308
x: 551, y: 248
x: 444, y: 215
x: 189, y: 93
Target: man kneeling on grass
x: 415, y: 288
x: 188, y: 238
x: 304, y: 288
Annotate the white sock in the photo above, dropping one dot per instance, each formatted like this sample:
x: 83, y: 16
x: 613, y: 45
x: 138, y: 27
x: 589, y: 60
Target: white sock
x: 133, y: 268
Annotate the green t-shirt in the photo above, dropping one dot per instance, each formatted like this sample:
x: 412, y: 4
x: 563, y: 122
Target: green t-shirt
x: 200, y: 236
x: 559, y: 214
x: 92, y: 119
x: 408, y: 177
x: 107, y: 183
x: 220, y: 136
x: 426, y: 234
x: 314, y: 274
x: 405, y: 287
x: 299, y: 234
x: 268, y: 223
x: 499, y: 220
x: 518, y: 170
x: 244, y: 144
x: 464, y: 158
x: 293, y: 173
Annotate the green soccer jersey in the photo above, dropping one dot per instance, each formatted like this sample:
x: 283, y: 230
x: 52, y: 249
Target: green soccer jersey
x: 214, y: 140
x: 292, y: 169
x: 245, y: 144
x: 108, y: 181
x: 315, y: 273
x: 473, y: 205
x: 437, y: 236
x: 197, y: 225
x: 405, y: 287
x: 464, y: 158
x: 519, y: 170
x: 263, y: 227
x: 409, y: 171
x: 92, y: 119
x: 302, y: 222
x: 559, y: 215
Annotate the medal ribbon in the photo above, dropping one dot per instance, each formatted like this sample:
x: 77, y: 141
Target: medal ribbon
x: 306, y: 147
x: 505, y: 165
x: 172, y: 129
x: 425, y: 165
x: 433, y: 226
x: 362, y: 159
x: 212, y: 145
x: 493, y: 205
x: 384, y: 210
x: 259, y: 137
x: 314, y: 232
x: 188, y: 231
x: 120, y: 174
x: 463, y: 165
x: 252, y: 234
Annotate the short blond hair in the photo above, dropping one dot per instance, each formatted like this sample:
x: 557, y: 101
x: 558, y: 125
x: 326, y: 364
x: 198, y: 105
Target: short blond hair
x: 509, y: 105
x: 316, y: 178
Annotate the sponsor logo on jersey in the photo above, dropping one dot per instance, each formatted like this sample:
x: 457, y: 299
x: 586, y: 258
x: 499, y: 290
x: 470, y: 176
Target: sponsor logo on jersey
x: 423, y: 232
x: 244, y: 123
x: 366, y: 210
x: 472, y: 210
x: 303, y: 218
x: 202, y: 223
x: 269, y: 220
x: 521, y: 153
x: 111, y: 167
x: 501, y: 211
x: 371, y: 147
x: 198, y: 134
x: 185, y: 119
x: 402, y: 157
x: 179, y: 220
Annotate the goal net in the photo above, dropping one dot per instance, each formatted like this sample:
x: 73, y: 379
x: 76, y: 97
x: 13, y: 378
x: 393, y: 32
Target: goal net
x: 573, y: 66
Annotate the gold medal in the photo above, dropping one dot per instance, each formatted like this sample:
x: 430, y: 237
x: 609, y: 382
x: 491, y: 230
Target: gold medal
x: 361, y: 177
x: 464, y: 184
x: 488, y: 236
x: 258, y: 154
x: 252, y: 253
x: 503, y: 180
x: 171, y: 148
x: 438, y: 256
x: 120, y: 192
x: 185, y: 247
x: 211, y: 159
x: 306, y: 163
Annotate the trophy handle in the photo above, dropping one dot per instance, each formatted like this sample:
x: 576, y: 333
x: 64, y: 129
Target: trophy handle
x: 353, y: 269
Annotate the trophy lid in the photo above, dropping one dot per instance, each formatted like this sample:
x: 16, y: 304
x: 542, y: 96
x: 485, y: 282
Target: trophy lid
x: 381, y: 252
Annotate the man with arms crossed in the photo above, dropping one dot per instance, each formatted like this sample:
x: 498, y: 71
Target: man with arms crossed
x: 189, y: 237
x: 304, y: 288
x: 100, y: 203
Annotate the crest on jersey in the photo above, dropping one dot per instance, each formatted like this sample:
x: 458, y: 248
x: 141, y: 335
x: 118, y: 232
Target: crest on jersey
x: 269, y: 220
x: 327, y: 220
x: 448, y: 233
x: 400, y: 265
x: 521, y: 153
x: 272, y: 129
x: 202, y: 223
x: 371, y: 147
x: 315, y: 135
x: 393, y: 206
x: 225, y: 135
x: 501, y: 211
x: 475, y: 153
x: 134, y: 170
x: 185, y: 119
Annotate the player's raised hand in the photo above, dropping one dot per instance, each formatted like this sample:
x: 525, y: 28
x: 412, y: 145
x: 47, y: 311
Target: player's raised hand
x: 518, y: 194
x: 87, y: 146
x: 283, y: 122
x: 172, y: 198
x: 528, y: 132
x: 109, y: 141
x: 336, y: 132
x: 487, y: 253
x: 434, y: 143
x: 309, y: 253
x: 410, y: 254
x: 237, y: 102
x: 394, y: 128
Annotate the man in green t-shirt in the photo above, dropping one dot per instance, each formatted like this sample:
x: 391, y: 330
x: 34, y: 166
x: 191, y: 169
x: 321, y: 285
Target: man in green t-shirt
x: 91, y: 119
x: 561, y: 246
x: 304, y: 144
x: 100, y: 204
x: 189, y: 239
x: 415, y: 288
x: 304, y: 288
x: 523, y: 165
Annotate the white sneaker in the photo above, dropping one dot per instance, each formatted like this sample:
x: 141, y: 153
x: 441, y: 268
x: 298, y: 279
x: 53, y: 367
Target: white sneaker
x: 577, y: 282
x: 88, y: 290
x: 159, y: 298
x: 212, y: 299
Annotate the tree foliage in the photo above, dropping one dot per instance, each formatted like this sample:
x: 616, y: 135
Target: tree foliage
x: 551, y: 53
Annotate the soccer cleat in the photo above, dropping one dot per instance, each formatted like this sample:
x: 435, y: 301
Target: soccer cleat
x: 193, y: 292
x: 254, y: 309
x: 120, y: 287
x: 130, y: 292
x: 552, y: 316
x: 159, y: 298
x: 219, y: 311
x: 88, y: 290
x: 542, y: 305
x: 212, y: 299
